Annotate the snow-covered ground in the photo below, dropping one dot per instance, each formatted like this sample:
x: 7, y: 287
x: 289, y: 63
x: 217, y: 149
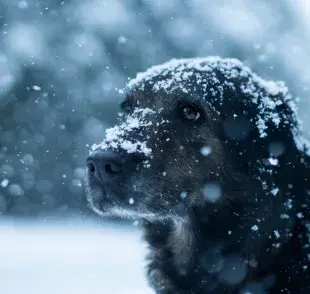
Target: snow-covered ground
x: 71, y: 259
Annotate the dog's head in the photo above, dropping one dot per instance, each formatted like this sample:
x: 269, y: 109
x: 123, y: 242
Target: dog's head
x: 192, y: 133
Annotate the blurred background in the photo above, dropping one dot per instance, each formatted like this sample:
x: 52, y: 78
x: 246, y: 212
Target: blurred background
x: 62, y: 64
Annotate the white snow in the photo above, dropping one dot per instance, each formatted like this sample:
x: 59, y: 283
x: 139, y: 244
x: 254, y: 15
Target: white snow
x: 284, y: 216
x: 71, y: 257
x: 212, y: 192
x: 276, y: 233
x: 116, y: 136
x: 254, y: 228
x: 288, y: 204
x: 121, y: 40
x: 205, y: 150
x: 36, y: 88
x: 183, y: 194
x: 273, y: 161
x: 299, y: 215
x: 275, y: 191
x: 4, y: 183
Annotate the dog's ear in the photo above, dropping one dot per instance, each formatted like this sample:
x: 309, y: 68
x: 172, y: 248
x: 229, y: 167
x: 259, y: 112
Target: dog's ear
x: 260, y: 125
x: 287, y: 152
x: 276, y: 160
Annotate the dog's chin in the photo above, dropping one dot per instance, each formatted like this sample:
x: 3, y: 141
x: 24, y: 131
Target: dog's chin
x: 112, y: 210
x: 95, y: 199
x: 110, y: 204
x: 102, y: 204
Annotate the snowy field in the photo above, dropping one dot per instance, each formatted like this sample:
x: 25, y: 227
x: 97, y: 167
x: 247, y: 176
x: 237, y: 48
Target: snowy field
x: 71, y: 259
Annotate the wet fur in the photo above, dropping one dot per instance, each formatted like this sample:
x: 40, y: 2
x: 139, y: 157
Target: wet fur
x: 184, y: 235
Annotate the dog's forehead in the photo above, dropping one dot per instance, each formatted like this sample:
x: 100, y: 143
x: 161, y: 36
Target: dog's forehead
x: 212, y: 75
x: 186, y: 74
x: 226, y: 84
x: 150, y: 99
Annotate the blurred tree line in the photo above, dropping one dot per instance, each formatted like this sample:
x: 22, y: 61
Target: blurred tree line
x: 63, y: 62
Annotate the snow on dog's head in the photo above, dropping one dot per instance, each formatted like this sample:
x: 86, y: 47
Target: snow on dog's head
x: 171, y: 113
x: 214, y: 76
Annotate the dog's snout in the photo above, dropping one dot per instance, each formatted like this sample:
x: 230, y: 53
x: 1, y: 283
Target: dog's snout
x: 104, y: 164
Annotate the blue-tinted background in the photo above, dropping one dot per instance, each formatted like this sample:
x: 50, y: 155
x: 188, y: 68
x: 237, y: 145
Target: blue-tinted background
x: 61, y: 63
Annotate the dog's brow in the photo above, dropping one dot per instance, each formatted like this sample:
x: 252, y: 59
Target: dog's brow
x: 193, y: 99
x: 189, y: 97
x: 125, y: 104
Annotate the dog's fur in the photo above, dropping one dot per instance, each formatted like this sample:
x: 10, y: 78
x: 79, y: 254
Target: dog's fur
x: 253, y: 237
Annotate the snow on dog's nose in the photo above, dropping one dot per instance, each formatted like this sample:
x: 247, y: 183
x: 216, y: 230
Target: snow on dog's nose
x: 128, y: 136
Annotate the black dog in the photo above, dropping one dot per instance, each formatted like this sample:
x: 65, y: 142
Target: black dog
x: 210, y: 157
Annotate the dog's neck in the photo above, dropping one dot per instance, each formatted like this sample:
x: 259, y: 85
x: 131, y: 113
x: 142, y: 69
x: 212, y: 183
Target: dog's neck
x: 182, y: 241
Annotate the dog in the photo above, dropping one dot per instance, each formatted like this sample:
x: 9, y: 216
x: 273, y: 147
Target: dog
x: 210, y: 158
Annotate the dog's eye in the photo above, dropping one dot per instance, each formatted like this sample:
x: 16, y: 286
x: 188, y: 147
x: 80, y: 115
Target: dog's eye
x: 190, y: 113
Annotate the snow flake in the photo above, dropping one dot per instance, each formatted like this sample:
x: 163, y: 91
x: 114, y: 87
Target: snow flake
x: 115, y: 136
x: 212, y: 192
x: 183, y: 194
x: 4, y: 183
x: 275, y: 191
x: 22, y: 4
x: 36, y: 88
x: 284, y: 216
x: 121, y: 40
x: 299, y: 215
x: 254, y: 228
x: 288, y: 204
x: 205, y: 150
x: 276, y: 233
x: 273, y: 161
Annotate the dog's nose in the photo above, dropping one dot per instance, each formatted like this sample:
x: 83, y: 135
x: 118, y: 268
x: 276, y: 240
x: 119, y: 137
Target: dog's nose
x: 104, y: 164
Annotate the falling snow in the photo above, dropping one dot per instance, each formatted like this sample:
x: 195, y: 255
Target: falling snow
x: 254, y: 228
x: 63, y: 66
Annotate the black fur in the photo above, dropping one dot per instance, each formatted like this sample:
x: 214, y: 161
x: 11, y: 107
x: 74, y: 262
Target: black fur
x: 254, y: 238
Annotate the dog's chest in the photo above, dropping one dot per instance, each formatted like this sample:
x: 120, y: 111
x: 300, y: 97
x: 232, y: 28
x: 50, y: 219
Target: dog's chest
x: 182, y: 245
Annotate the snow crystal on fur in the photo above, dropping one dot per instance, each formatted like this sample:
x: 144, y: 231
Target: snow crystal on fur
x: 116, y: 137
